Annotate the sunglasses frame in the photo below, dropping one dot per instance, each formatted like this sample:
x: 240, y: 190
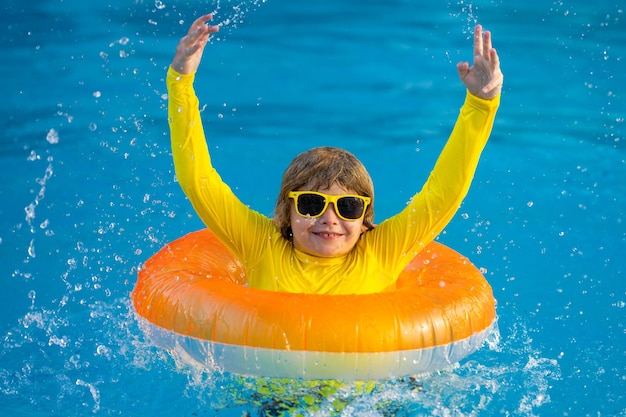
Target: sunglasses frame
x: 327, y: 200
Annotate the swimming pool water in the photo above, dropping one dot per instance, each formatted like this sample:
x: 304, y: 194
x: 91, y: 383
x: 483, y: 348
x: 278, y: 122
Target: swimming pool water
x: 88, y: 193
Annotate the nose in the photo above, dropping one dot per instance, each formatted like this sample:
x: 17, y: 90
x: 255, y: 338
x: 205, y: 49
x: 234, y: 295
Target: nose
x: 330, y: 215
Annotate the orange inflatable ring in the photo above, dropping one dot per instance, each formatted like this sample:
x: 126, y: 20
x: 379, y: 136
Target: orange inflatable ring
x: 194, y: 299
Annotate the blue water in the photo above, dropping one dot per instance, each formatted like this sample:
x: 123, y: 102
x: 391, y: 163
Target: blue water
x: 87, y: 188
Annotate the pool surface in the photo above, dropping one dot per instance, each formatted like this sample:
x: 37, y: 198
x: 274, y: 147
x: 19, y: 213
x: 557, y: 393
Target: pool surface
x: 87, y: 191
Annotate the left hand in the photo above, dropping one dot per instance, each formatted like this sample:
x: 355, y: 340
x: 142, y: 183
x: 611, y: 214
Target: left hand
x: 191, y: 47
x: 484, y: 78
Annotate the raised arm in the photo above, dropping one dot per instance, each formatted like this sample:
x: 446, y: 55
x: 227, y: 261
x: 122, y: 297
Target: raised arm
x: 433, y: 207
x: 236, y: 225
x: 452, y: 175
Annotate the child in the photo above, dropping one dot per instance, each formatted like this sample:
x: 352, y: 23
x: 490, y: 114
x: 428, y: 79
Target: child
x: 322, y: 239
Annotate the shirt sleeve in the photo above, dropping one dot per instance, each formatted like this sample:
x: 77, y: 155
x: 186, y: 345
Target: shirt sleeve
x: 397, y: 240
x: 234, y: 223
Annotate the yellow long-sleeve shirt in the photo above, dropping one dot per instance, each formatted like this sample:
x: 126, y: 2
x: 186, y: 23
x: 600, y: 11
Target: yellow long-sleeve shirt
x: 271, y: 262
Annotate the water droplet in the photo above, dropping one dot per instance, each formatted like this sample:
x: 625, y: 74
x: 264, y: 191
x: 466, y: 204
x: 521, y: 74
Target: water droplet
x: 102, y: 350
x: 31, y: 248
x: 52, y: 136
x: 33, y: 156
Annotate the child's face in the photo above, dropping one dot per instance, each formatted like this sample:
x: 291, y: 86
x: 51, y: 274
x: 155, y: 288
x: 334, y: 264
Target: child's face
x: 327, y: 235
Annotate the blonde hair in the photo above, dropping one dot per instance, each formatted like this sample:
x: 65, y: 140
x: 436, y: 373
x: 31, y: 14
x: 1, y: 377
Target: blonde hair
x: 320, y: 168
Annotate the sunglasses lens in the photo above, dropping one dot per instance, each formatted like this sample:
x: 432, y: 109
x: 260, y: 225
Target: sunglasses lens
x: 310, y: 204
x: 350, y: 207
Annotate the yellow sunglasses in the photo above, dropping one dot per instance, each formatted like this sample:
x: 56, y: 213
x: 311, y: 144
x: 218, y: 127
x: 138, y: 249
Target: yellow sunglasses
x: 313, y: 204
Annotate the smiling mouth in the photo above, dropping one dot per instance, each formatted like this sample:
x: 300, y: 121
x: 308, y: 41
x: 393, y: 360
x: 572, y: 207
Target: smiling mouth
x: 327, y: 235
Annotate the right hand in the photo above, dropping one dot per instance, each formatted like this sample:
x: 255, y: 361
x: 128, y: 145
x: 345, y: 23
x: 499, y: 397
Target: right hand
x: 484, y: 78
x: 190, y: 48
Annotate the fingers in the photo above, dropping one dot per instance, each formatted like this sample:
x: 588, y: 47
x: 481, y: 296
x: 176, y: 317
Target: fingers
x: 199, y: 30
x: 478, y: 40
x: 494, y: 86
x: 484, y: 77
x: 482, y: 42
x: 198, y: 34
x: 199, y: 22
x: 497, y: 78
x: 190, y: 48
x: 463, y: 69
x: 494, y: 58
x: 487, y: 44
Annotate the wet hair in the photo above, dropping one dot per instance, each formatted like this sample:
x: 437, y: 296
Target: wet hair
x: 320, y: 168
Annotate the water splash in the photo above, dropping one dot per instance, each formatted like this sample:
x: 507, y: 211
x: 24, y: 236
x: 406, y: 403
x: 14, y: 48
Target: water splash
x: 231, y: 13
x: 227, y: 14
x: 52, y: 137
x: 468, y: 12
x: 487, y: 382
x: 95, y: 394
